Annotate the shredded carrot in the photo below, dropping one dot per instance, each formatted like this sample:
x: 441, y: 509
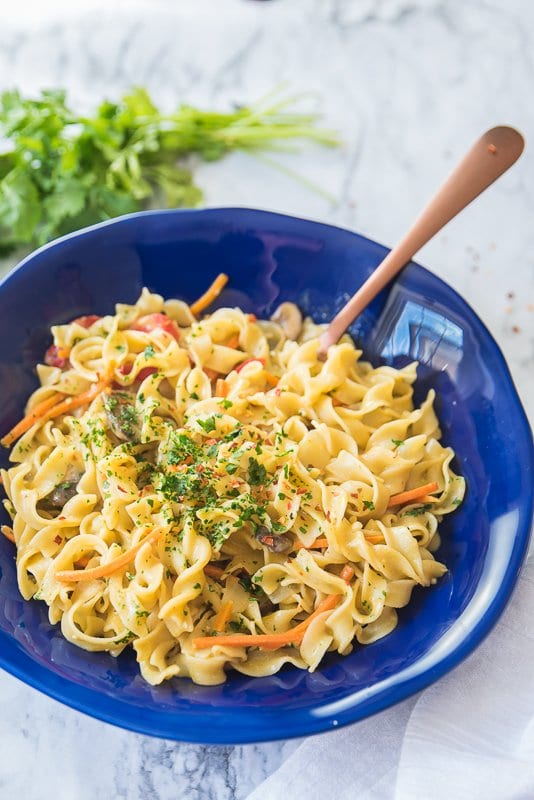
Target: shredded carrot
x: 233, y: 341
x: 347, y: 573
x: 35, y: 414
x: 316, y: 545
x: 223, y: 616
x: 71, y: 403
x: 8, y: 533
x: 213, y: 572
x: 268, y: 641
x: 221, y: 387
x: 412, y: 494
x: 112, y: 566
x: 210, y: 294
x: 374, y: 538
x: 270, y: 378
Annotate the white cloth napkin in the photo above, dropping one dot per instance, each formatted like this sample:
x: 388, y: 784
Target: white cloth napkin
x: 469, y: 736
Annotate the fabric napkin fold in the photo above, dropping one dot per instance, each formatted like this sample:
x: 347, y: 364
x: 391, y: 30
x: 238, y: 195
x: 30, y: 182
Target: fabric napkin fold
x: 469, y: 736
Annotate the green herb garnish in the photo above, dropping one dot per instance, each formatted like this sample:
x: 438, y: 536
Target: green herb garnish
x: 60, y: 170
x: 257, y: 474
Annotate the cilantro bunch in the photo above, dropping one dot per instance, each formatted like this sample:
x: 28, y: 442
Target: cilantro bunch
x: 60, y: 171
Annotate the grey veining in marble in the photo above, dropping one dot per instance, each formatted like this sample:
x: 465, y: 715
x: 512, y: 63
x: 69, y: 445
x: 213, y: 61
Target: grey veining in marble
x: 409, y: 84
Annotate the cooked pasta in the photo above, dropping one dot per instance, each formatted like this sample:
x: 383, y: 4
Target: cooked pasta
x: 213, y: 494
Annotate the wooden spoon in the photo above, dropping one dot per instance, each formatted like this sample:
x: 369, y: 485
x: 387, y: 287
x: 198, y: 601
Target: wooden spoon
x: 487, y: 160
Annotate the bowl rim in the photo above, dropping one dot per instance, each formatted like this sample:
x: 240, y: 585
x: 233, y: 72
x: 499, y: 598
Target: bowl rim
x: 111, y: 710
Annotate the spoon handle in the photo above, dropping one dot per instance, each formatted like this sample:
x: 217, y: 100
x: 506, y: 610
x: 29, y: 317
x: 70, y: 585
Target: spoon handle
x: 487, y: 160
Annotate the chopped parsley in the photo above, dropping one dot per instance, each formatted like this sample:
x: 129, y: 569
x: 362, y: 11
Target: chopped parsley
x: 208, y: 425
x: 369, y: 505
x: 257, y: 474
x: 414, y: 512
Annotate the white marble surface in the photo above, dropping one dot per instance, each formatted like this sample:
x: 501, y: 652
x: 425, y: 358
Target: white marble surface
x: 409, y: 84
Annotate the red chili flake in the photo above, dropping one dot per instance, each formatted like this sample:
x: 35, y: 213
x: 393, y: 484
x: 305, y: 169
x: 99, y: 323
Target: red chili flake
x: 121, y: 489
x: 302, y: 490
x: 327, y: 515
x: 58, y: 539
x: 211, y: 441
x: 62, y: 517
x: 492, y: 149
x: 278, y: 392
x: 288, y: 505
x: 268, y: 442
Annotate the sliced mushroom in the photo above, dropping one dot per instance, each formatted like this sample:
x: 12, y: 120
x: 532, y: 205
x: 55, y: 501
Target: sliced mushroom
x: 288, y: 316
x: 122, y: 416
x: 275, y: 542
x: 65, y: 490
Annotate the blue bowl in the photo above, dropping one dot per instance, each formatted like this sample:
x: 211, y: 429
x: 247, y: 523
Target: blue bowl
x: 271, y: 258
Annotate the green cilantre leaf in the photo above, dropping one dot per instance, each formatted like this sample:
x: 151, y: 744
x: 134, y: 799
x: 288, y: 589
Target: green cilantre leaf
x: 369, y: 505
x: 60, y: 171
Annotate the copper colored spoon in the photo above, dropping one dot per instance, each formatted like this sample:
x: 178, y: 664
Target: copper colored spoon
x: 487, y: 160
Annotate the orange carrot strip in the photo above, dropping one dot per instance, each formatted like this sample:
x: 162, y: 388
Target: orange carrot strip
x: 103, y: 570
x: 31, y: 417
x: 213, y: 572
x: 221, y: 388
x: 412, y: 494
x: 233, y: 341
x: 223, y: 616
x: 347, y: 573
x: 8, y: 533
x: 268, y: 641
x: 71, y: 403
x: 316, y: 545
x: 374, y: 538
x: 210, y: 294
x: 270, y: 378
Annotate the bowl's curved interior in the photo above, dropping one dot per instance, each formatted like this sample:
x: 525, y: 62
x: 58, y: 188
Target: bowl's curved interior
x: 269, y: 258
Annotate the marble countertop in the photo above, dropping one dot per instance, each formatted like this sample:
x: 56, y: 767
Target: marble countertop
x: 409, y: 84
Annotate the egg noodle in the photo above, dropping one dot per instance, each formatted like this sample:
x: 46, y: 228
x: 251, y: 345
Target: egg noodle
x: 213, y: 494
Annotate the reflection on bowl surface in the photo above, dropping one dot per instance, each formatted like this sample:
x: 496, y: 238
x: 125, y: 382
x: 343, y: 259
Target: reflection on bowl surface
x: 270, y: 258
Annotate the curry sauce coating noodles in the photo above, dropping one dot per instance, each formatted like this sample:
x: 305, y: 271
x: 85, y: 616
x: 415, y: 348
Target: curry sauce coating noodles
x: 212, y: 494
